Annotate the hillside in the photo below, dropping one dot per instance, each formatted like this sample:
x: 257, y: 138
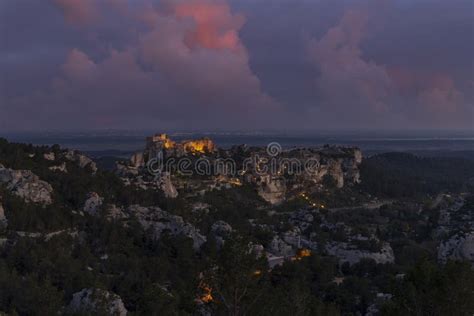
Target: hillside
x: 76, y: 239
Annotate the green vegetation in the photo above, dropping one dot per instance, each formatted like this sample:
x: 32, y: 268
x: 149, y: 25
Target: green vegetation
x: 166, y: 276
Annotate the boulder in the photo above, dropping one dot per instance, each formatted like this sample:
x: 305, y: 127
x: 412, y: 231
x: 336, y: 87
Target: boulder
x: 96, y: 302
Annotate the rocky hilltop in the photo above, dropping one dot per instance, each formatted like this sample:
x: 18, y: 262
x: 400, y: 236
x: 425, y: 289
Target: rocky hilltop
x: 275, y: 176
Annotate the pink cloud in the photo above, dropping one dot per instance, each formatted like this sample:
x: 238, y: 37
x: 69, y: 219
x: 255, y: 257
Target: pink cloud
x: 346, y: 79
x: 355, y: 88
x: 78, y: 66
x: 78, y: 11
x: 186, y: 56
x: 434, y: 92
x: 215, y: 26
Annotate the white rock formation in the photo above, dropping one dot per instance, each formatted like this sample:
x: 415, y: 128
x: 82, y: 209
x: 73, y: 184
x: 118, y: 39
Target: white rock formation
x: 458, y: 247
x: 26, y: 185
x: 62, y: 167
x: 167, y: 186
x: 350, y: 254
x: 161, y: 221
x: 96, y: 302
x: 93, y: 203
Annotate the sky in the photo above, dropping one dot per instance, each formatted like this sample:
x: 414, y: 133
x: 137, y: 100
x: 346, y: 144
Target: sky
x: 236, y: 64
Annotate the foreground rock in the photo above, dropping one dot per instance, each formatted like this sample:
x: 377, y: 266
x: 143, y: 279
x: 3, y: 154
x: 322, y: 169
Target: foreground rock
x: 96, y: 302
x: 160, y: 221
x: 26, y: 185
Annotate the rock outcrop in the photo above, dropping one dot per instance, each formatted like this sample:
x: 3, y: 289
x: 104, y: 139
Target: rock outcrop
x: 96, y: 302
x: 350, y: 254
x: 26, y: 185
x: 273, y: 175
x: 160, y: 221
x: 313, y: 165
x: 459, y: 247
x: 93, y: 203
x: 137, y: 160
x: 167, y: 186
x: 82, y: 160
x: 272, y: 189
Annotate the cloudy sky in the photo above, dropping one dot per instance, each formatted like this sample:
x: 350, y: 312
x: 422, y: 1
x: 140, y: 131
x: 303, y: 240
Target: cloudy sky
x: 236, y: 64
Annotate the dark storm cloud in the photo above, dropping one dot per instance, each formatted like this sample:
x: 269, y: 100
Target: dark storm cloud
x: 236, y: 63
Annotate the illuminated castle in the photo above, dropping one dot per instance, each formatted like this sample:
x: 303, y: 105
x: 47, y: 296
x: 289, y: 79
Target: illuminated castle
x: 161, y: 142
